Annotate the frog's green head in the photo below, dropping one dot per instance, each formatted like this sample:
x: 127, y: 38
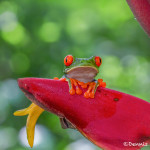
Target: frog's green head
x: 82, y: 69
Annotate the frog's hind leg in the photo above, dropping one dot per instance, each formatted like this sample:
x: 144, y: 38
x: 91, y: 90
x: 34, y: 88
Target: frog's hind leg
x: 33, y: 112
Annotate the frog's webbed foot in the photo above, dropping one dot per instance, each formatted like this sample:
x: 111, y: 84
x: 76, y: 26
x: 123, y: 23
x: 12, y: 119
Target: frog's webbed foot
x: 33, y: 112
x: 101, y: 83
x: 73, y: 85
x: 91, y: 90
x: 77, y: 90
x: 92, y: 86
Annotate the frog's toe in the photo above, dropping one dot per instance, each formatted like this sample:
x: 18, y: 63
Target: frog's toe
x: 91, y: 90
x: 86, y: 95
x: 56, y: 78
x: 72, y: 91
x: 91, y: 94
x: 78, y: 91
x: 62, y: 79
x: 101, y: 83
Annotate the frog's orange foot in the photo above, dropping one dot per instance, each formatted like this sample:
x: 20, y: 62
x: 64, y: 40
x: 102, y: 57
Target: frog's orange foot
x: 77, y: 90
x: 91, y: 90
x: 83, y: 85
x: 61, y: 79
x: 101, y: 83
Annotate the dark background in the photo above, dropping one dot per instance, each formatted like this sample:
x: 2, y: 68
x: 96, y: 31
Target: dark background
x: 36, y: 35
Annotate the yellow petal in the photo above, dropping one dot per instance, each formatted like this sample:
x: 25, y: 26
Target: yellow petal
x: 31, y: 122
x: 25, y: 111
x: 33, y: 112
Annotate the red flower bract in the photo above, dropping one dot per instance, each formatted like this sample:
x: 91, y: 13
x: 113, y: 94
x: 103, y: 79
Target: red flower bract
x: 141, y: 10
x: 108, y: 120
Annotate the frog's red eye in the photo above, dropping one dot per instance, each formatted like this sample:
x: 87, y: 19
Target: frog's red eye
x: 68, y: 60
x: 98, y: 61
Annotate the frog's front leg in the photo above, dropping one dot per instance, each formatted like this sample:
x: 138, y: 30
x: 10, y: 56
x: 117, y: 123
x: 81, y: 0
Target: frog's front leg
x: 92, y: 86
x: 73, y: 85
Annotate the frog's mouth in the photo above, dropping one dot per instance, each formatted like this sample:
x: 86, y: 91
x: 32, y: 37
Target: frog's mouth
x: 82, y: 73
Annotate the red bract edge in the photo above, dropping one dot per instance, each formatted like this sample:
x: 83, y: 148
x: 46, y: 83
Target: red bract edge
x: 141, y: 11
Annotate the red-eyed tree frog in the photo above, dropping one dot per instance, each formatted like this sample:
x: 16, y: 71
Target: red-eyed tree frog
x: 80, y: 73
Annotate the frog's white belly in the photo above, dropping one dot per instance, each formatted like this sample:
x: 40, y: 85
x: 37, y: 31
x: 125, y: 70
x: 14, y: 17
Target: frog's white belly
x: 83, y: 74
